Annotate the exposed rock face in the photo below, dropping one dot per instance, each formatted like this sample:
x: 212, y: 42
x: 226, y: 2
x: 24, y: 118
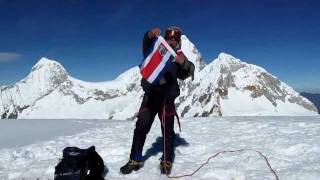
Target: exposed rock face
x: 226, y: 86
x: 204, y: 95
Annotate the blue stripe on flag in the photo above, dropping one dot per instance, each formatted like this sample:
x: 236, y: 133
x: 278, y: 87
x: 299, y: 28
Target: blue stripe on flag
x: 165, y: 69
x: 150, y: 49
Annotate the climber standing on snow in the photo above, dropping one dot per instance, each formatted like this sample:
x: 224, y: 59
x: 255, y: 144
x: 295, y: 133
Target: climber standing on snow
x: 159, y: 99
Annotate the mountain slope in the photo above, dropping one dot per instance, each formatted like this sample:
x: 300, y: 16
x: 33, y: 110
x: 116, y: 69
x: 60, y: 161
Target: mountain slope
x: 226, y: 86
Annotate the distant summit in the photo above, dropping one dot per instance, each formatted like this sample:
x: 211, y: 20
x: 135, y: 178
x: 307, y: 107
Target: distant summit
x: 225, y: 87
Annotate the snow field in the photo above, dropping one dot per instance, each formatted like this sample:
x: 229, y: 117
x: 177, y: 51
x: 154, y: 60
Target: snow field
x: 291, y: 144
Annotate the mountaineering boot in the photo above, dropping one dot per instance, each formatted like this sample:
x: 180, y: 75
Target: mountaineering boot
x: 165, y: 167
x: 132, y: 165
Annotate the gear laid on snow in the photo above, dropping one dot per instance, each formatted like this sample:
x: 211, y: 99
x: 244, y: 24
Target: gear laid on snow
x: 80, y: 164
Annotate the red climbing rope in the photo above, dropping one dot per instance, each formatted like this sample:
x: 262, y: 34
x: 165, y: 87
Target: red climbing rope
x: 163, y: 123
x: 229, y: 151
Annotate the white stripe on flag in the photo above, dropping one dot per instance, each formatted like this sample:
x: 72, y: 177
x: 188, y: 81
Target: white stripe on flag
x: 155, y: 48
x: 167, y: 46
x: 159, y: 68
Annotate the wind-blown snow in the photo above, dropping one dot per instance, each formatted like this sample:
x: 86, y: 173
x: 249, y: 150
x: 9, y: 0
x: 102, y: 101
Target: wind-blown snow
x: 291, y: 144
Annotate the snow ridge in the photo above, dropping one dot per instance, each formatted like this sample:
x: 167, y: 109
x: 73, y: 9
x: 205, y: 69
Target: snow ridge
x: 225, y: 87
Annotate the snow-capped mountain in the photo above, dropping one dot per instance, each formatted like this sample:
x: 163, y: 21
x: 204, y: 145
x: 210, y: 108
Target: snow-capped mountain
x: 225, y: 87
x: 228, y: 86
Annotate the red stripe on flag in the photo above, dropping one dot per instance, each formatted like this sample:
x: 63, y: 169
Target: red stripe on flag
x: 152, y: 65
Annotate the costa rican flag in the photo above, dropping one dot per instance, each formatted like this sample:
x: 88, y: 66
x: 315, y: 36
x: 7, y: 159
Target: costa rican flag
x: 158, y: 61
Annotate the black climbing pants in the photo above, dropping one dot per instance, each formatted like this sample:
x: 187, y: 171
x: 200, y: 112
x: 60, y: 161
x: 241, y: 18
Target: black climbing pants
x: 150, y: 107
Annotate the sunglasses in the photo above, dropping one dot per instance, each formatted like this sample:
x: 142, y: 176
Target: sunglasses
x: 172, y: 34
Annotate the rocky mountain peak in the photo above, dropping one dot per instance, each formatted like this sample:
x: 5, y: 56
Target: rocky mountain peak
x: 46, y: 75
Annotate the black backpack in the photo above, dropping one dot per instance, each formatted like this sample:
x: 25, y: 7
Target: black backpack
x: 80, y: 164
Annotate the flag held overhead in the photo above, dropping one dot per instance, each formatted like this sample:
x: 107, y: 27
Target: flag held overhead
x: 158, y: 62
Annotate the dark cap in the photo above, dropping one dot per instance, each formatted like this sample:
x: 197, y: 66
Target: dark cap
x: 173, y: 32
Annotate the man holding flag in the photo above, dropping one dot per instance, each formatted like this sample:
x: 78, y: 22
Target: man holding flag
x: 163, y: 63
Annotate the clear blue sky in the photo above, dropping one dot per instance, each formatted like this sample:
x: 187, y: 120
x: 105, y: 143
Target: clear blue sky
x: 96, y: 40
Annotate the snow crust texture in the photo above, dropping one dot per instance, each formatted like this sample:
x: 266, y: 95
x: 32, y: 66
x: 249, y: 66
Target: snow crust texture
x: 291, y: 144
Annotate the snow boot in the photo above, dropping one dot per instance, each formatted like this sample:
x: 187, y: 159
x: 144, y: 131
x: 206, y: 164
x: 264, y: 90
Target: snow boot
x: 165, y: 167
x: 132, y: 165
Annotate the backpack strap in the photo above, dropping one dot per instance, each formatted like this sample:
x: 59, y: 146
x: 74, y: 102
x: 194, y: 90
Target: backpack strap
x: 95, y: 163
